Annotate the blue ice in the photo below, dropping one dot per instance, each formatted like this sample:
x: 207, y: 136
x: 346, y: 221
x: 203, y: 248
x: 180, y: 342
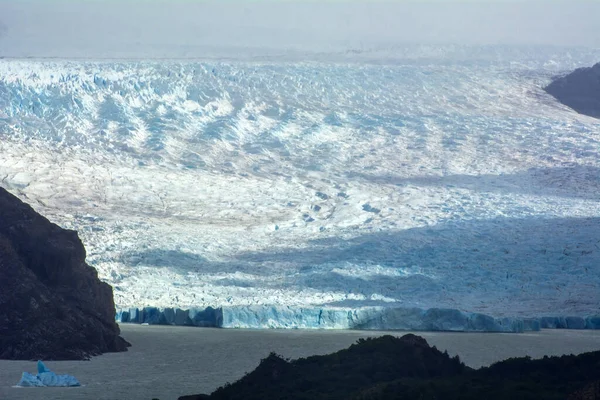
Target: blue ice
x: 46, y: 378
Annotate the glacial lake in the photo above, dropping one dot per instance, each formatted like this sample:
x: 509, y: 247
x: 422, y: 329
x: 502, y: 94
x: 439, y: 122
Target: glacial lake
x: 166, y: 362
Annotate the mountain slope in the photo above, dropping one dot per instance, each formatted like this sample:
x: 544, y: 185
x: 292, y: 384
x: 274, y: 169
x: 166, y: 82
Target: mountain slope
x: 408, y: 368
x: 52, y: 304
x: 579, y: 90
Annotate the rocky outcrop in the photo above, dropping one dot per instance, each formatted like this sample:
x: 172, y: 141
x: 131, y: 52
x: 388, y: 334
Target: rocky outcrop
x: 344, y: 374
x: 579, y: 90
x: 52, y: 304
x: 389, y: 368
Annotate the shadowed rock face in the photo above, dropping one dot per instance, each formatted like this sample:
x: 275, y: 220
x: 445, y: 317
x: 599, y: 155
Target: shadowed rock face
x: 579, y: 90
x: 52, y: 304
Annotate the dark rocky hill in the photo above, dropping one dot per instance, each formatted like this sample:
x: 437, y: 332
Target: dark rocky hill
x: 407, y: 368
x: 579, y: 90
x: 52, y: 304
x: 343, y: 374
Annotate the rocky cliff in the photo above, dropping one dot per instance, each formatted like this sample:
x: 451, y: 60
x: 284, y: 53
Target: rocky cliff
x: 579, y: 90
x: 52, y: 304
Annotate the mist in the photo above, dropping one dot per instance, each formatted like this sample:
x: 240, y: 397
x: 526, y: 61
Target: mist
x: 180, y: 28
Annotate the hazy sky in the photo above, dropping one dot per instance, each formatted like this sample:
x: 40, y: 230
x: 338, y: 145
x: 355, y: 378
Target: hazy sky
x: 129, y: 27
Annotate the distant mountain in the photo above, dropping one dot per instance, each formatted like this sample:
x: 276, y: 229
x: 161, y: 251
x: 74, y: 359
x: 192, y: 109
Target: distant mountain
x: 52, y: 304
x: 408, y: 368
x: 579, y: 90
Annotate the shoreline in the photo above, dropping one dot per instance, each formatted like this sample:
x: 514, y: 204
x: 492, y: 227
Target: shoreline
x: 200, y: 360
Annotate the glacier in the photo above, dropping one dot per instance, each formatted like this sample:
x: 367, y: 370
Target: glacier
x: 365, y: 318
x: 268, y: 193
x: 362, y: 318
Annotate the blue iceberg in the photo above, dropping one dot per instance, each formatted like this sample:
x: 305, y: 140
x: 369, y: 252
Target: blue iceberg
x: 46, y: 378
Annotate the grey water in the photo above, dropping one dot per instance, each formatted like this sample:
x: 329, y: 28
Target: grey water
x: 166, y: 362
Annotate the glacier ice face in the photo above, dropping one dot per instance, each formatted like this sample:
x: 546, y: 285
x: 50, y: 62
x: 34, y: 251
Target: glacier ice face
x: 364, y: 318
x: 368, y: 318
x: 570, y: 322
x: 47, y: 378
x: 592, y: 322
x: 232, y: 185
x: 208, y: 317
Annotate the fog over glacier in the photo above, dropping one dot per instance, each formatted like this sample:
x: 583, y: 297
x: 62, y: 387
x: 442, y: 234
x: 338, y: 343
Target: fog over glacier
x: 343, y: 166
x: 191, y: 29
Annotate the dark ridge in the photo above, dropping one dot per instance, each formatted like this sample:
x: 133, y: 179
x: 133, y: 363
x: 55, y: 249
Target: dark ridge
x: 408, y: 368
x: 579, y: 90
x: 337, y: 375
x: 52, y: 304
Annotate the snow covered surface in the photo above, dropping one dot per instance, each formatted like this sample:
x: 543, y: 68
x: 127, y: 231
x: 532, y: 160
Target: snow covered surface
x: 440, y: 178
x: 47, y: 378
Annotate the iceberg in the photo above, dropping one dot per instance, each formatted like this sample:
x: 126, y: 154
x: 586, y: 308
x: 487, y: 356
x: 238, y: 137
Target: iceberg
x: 29, y: 380
x: 47, y: 378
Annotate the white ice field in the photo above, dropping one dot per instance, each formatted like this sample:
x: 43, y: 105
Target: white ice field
x: 438, y: 178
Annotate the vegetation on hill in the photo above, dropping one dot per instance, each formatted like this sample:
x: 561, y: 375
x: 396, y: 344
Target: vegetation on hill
x: 408, y: 368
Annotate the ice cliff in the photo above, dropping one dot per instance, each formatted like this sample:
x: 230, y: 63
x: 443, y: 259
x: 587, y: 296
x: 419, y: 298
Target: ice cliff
x: 366, y: 318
